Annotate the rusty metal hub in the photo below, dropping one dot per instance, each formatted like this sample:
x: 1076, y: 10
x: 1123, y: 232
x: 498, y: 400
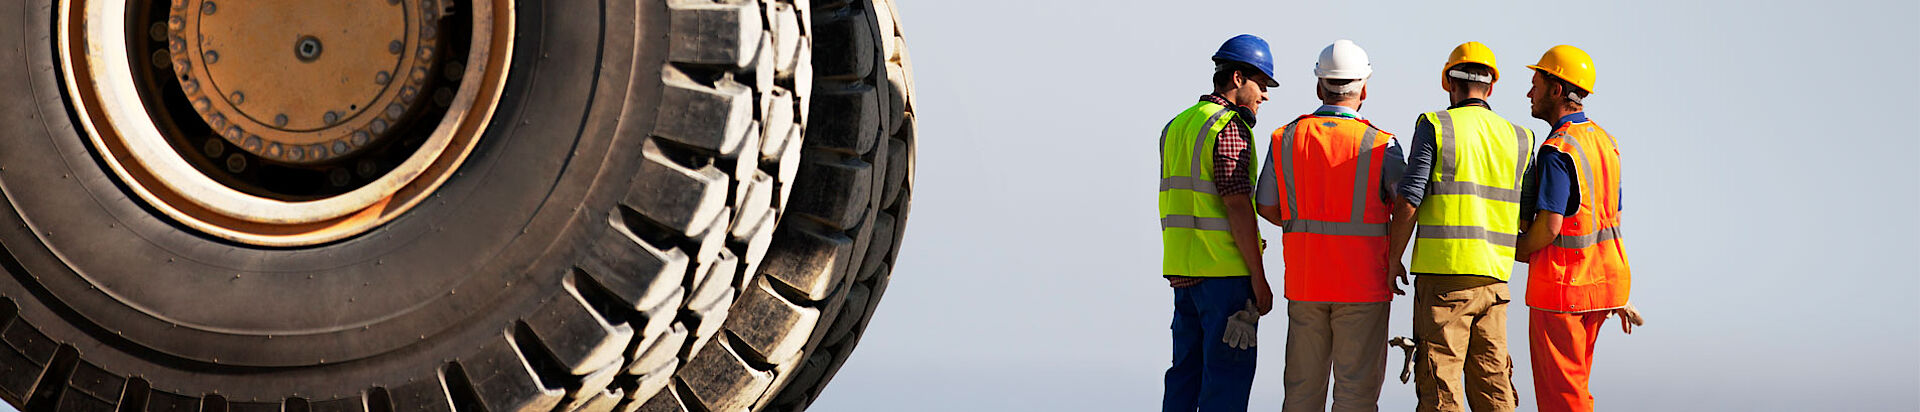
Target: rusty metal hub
x: 284, y: 123
x: 302, y: 82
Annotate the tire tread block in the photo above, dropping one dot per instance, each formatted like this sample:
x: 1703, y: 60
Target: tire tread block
x: 683, y: 199
x: 772, y: 329
x: 845, y: 119
x: 842, y: 27
x: 897, y: 171
x: 655, y: 381
x: 577, y: 337
x: 664, y: 350
x: 604, y: 400
x: 806, y: 260
x: 422, y: 395
x: 663, y: 401
x: 720, y: 380
x: 633, y: 270
x: 24, y: 360
x: 840, y: 191
x: 705, y: 32
x: 163, y: 401
x: 711, y: 117
x: 851, y: 313
x: 595, y: 386
x: 91, y: 388
x: 504, y: 380
x: 881, y: 245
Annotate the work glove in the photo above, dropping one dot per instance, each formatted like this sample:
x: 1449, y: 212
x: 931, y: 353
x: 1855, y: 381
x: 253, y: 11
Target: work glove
x: 1629, y: 318
x: 1243, y: 328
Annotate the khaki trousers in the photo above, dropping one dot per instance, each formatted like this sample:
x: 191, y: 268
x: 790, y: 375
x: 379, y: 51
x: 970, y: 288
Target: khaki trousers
x: 1462, y: 331
x: 1348, y: 340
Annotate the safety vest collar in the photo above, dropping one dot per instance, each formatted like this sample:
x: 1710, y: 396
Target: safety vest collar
x: 1569, y: 119
x: 1471, y: 101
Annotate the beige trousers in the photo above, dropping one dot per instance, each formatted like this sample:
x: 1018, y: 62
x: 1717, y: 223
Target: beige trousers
x: 1462, y: 332
x: 1348, y: 340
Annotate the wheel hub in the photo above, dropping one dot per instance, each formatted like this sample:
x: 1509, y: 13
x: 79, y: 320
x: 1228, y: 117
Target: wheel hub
x: 353, y: 71
x: 284, y: 123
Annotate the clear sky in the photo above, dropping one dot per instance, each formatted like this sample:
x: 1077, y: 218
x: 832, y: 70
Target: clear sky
x: 1761, y: 141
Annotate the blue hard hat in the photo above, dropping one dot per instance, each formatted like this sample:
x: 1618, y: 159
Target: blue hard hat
x: 1249, y: 49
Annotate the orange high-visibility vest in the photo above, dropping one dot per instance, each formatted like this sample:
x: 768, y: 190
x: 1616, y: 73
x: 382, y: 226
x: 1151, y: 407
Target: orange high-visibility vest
x: 1336, y: 224
x: 1585, y: 269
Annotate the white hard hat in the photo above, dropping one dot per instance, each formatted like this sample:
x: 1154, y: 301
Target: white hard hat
x: 1343, y: 60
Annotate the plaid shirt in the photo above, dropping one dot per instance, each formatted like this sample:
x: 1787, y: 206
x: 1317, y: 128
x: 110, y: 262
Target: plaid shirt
x: 1231, y: 156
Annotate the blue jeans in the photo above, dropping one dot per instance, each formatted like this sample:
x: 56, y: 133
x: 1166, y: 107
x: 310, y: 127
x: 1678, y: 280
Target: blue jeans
x: 1207, y: 375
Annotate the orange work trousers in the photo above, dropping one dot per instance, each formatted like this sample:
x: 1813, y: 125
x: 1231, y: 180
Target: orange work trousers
x: 1561, y: 345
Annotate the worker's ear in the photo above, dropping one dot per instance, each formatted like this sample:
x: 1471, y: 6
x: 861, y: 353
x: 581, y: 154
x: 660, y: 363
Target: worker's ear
x: 1363, y: 92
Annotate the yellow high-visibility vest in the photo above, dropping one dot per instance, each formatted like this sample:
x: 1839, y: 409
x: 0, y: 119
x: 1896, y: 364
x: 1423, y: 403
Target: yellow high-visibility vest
x: 1193, y: 217
x: 1469, y: 220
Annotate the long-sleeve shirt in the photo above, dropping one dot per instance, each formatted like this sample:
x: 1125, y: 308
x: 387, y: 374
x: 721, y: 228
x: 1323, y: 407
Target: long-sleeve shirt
x: 1231, y: 155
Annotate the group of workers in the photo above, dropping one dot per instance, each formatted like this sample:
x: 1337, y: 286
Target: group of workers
x: 1473, y: 195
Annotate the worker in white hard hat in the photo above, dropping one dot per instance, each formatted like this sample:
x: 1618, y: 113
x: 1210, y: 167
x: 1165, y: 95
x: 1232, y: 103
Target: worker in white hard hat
x: 1335, y: 175
x: 1462, y: 190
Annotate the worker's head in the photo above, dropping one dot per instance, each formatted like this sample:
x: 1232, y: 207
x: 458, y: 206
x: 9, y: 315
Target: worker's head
x: 1243, y: 70
x: 1470, y: 72
x: 1561, y: 82
x: 1241, y: 84
x: 1469, y: 81
x: 1342, y: 70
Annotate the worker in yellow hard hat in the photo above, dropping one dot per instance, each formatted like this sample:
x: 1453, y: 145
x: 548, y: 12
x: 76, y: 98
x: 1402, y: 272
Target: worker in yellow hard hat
x: 1462, y: 190
x: 1577, y: 272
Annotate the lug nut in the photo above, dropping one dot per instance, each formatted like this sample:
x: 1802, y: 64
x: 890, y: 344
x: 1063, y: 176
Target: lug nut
x: 214, y: 148
x: 236, y: 163
x: 339, y: 177
x: 161, y: 60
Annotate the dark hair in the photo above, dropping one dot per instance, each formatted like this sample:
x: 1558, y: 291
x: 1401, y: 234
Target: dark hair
x: 1567, y: 87
x: 1476, y: 69
x: 1223, y: 73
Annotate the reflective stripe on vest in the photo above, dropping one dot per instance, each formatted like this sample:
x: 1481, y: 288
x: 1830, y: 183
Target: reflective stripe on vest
x: 1353, y: 225
x: 1585, y: 268
x: 1334, y: 217
x: 1193, y: 222
x: 1468, y: 223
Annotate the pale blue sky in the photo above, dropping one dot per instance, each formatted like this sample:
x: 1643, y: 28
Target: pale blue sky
x: 1767, y: 149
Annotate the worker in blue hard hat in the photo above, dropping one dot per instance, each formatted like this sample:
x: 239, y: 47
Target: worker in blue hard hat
x: 1211, y: 244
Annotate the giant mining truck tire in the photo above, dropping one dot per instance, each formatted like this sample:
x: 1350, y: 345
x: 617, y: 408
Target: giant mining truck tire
x: 498, y: 205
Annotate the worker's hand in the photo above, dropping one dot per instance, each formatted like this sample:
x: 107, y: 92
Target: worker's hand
x: 1242, y: 330
x: 1181, y: 281
x: 1262, y: 297
x: 1629, y: 318
x: 1396, y: 271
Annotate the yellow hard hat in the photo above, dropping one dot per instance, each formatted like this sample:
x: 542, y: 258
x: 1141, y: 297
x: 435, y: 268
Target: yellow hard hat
x: 1568, y: 63
x: 1469, y: 52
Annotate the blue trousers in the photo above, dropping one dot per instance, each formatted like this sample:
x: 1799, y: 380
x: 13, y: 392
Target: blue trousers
x: 1207, y: 375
